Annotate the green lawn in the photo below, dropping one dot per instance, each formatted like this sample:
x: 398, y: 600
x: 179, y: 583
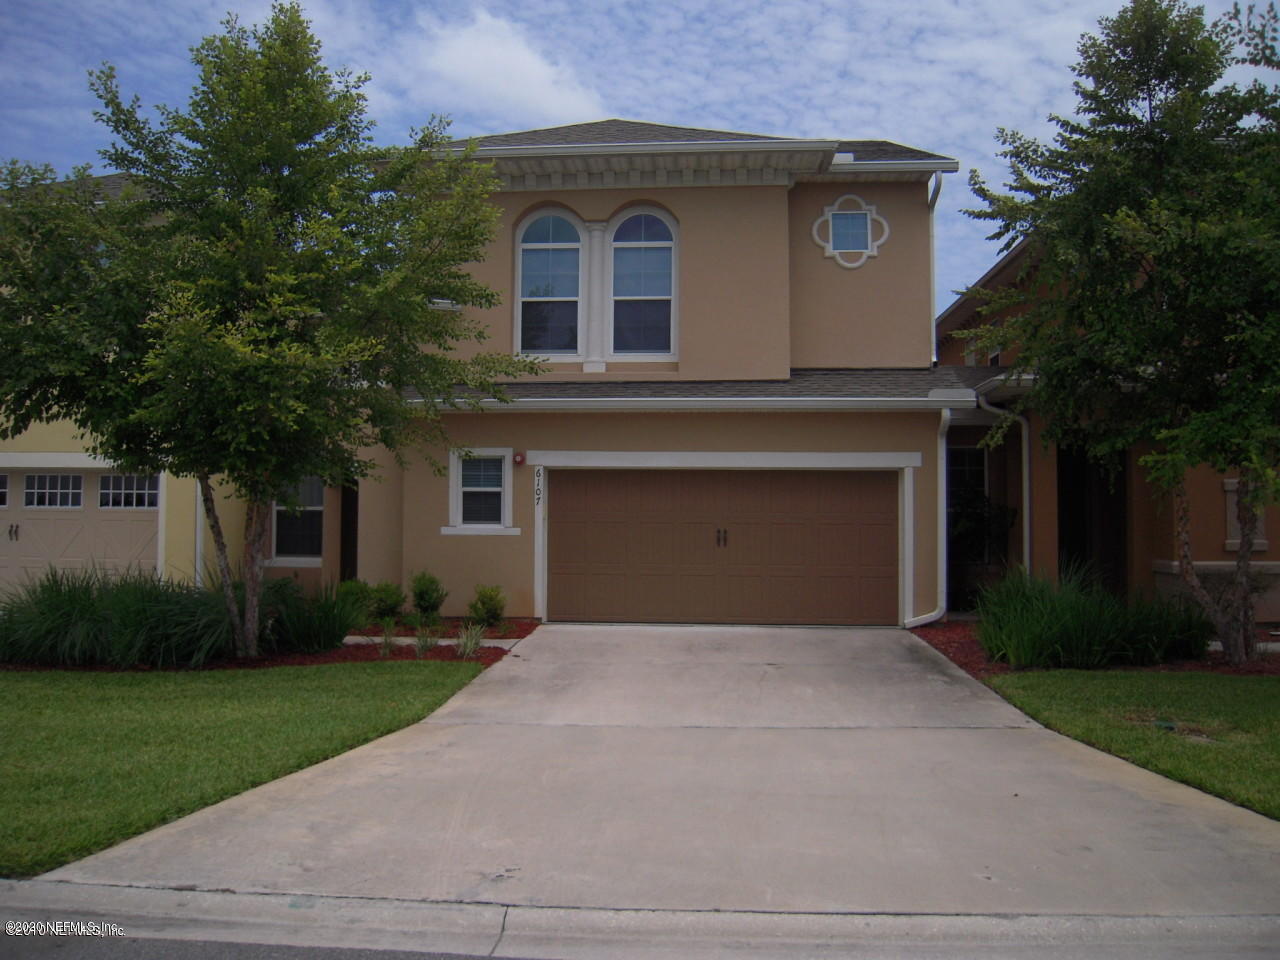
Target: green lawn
x: 88, y: 759
x: 1217, y: 732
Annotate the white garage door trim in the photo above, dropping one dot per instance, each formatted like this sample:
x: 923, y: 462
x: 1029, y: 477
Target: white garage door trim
x: 905, y: 463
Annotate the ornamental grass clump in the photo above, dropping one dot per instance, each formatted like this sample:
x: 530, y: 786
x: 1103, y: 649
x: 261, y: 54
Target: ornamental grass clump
x: 470, y: 636
x: 69, y: 618
x: 1031, y: 622
x: 388, y: 644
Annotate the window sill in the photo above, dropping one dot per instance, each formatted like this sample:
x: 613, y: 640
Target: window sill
x: 295, y: 562
x: 1260, y: 545
x: 480, y: 530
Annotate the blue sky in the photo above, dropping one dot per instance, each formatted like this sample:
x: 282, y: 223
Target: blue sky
x: 941, y: 75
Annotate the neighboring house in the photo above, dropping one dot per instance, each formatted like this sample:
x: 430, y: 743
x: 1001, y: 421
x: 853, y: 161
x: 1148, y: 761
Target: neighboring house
x: 1067, y: 510
x: 740, y: 419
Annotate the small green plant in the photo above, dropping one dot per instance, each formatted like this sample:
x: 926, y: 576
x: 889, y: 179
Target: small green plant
x: 488, y: 606
x: 386, y: 599
x: 388, y: 625
x: 470, y: 637
x: 428, y: 595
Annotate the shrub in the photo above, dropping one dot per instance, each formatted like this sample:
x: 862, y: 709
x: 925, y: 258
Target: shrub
x: 428, y: 595
x: 386, y: 599
x: 1028, y: 621
x: 488, y: 606
x: 469, y: 639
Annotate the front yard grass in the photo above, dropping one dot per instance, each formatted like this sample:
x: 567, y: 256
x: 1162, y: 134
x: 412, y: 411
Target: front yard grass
x: 1217, y: 732
x: 88, y: 759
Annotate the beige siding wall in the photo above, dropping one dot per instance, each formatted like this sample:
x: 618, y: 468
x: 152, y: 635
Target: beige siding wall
x: 879, y: 314
x: 462, y: 561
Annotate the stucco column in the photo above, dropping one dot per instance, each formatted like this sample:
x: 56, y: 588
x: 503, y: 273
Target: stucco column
x: 595, y: 299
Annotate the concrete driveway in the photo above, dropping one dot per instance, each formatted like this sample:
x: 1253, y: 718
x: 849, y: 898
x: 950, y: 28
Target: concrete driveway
x: 752, y: 770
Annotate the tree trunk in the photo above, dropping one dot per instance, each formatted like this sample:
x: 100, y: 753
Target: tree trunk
x: 224, y: 563
x: 257, y: 526
x: 1182, y: 534
x: 1241, y: 612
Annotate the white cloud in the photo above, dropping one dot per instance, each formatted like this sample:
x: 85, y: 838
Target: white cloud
x: 937, y: 74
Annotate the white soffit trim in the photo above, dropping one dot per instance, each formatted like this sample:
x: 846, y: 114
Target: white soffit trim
x: 705, y: 460
x: 53, y: 461
x: 657, y: 147
x: 660, y: 404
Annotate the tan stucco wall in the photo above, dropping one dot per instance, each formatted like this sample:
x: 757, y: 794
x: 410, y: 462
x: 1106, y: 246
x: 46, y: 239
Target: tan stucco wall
x: 464, y: 561
x: 879, y: 314
x: 732, y: 277
x: 381, y: 529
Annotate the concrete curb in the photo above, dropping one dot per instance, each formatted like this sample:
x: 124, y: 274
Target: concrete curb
x: 599, y: 934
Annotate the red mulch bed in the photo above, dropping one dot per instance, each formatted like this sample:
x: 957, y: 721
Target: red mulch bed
x: 351, y: 653
x: 958, y: 641
x: 516, y: 629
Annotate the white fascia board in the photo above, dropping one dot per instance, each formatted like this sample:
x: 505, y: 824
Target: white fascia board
x: 710, y: 146
x: 52, y: 461
x: 897, y: 166
x: 714, y: 460
x: 667, y: 404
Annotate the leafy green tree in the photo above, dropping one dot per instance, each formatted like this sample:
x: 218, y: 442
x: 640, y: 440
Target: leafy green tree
x: 1150, y: 310
x: 259, y: 302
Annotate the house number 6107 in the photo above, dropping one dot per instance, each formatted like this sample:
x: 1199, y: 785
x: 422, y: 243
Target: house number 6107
x: 537, y: 487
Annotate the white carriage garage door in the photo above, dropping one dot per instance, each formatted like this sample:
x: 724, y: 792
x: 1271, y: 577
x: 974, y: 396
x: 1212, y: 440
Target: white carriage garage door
x: 74, y: 519
x: 723, y: 546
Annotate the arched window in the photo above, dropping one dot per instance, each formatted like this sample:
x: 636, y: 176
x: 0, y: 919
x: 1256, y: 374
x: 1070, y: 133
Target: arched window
x: 550, y: 251
x: 643, y: 247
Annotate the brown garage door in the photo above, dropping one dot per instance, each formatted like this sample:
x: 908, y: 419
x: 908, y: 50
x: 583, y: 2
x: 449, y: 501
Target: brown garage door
x: 723, y: 546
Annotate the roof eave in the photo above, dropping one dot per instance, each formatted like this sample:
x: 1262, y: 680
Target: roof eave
x: 953, y: 399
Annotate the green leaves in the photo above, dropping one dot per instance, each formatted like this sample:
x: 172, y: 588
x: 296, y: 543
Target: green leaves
x: 1148, y: 308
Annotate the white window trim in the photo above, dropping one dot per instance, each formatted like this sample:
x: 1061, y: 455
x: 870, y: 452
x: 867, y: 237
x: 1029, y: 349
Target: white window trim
x: 5, y: 504
x: 36, y: 473
x: 289, y: 560
x: 618, y: 220
x: 455, y: 526
x: 584, y: 272
x: 595, y: 290
x: 850, y: 259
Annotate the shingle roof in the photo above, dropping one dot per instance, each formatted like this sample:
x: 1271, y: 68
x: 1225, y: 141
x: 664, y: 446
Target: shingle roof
x: 611, y: 132
x: 871, y: 151
x: 877, y: 384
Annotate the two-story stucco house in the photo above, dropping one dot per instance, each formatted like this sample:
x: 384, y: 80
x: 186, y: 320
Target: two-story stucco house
x: 740, y: 421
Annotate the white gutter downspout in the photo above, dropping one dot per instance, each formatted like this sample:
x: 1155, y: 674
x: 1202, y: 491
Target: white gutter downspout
x: 1026, y: 475
x: 940, y: 610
